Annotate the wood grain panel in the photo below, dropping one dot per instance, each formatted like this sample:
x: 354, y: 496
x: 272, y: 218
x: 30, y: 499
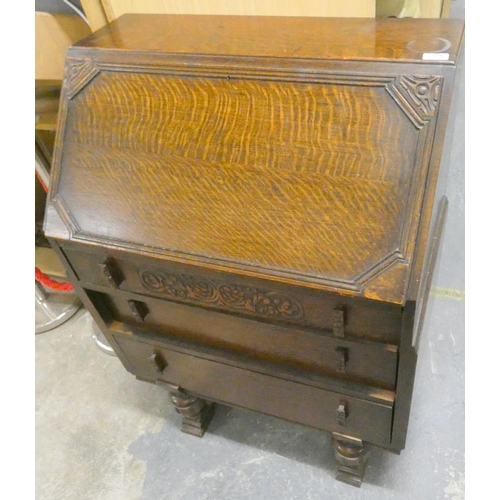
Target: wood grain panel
x: 336, y: 130
x: 252, y: 163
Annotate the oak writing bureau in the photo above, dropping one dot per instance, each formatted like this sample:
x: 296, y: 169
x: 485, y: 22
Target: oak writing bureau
x: 250, y: 208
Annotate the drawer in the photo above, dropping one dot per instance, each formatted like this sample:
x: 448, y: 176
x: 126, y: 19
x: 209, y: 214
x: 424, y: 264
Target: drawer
x: 305, y: 349
x: 297, y: 402
x: 258, y: 299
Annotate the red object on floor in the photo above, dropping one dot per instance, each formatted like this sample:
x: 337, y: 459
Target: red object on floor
x: 50, y: 283
x: 62, y: 286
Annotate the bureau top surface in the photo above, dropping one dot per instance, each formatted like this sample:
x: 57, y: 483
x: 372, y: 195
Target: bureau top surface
x: 284, y: 37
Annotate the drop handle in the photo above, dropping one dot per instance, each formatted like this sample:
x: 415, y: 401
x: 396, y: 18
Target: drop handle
x: 341, y: 359
x: 342, y: 413
x: 111, y: 273
x: 339, y: 320
x: 138, y: 309
x: 158, y: 362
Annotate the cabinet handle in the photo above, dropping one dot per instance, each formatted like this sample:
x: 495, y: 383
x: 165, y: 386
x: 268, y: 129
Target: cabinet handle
x: 111, y: 273
x: 342, y: 413
x: 138, y: 309
x: 342, y: 356
x: 338, y: 322
x: 158, y: 362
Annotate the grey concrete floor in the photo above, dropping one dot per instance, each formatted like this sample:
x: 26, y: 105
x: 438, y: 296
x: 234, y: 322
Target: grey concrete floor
x: 101, y: 434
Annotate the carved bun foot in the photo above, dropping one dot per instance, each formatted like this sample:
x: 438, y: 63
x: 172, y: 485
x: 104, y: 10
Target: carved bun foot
x: 351, y: 457
x: 196, y: 413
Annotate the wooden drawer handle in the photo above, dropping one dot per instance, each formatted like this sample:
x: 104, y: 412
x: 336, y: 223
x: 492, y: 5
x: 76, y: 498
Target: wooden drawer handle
x: 342, y: 413
x: 111, y: 273
x: 338, y: 322
x: 158, y: 362
x: 138, y: 309
x: 342, y: 356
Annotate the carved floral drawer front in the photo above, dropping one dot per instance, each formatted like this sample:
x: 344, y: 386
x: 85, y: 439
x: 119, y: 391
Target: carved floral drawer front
x: 369, y: 363
x: 210, y: 292
x: 288, y: 399
x: 261, y: 300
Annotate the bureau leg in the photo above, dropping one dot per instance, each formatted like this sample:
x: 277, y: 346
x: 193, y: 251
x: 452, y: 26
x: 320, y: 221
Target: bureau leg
x: 196, y: 413
x: 352, y: 457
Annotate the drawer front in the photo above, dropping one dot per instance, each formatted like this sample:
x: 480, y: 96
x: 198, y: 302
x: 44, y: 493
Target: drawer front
x: 235, y: 386
x: 308, y: 350
x: 258, y: 299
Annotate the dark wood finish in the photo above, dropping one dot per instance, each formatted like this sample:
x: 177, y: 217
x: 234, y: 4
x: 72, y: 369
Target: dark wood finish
x: 110, y: 274
x: 406, y: 378
x: 138, y: 309
x: 338, y: 322
x: 314, y: 351
x: 242, y: 360
x: 243, y: 296
x: 97, y: 313
x: 158, y: 362
x: 351, y: 457
x: 261, y: 392
x: 196, y: 413
x: 249, y: 209
x: 342, y: 354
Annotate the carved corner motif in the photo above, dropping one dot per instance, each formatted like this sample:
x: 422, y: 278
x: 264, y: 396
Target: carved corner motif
x: 424, y: 91
x: 418, y: 96
x: 237, y: 298
x: 78, y: 72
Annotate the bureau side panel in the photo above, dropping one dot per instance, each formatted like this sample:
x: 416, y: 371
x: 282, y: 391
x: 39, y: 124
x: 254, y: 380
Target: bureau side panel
x: 432, y: 225
x: 436, y: 181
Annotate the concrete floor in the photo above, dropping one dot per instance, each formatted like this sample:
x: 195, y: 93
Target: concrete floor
x: 101, y: 434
